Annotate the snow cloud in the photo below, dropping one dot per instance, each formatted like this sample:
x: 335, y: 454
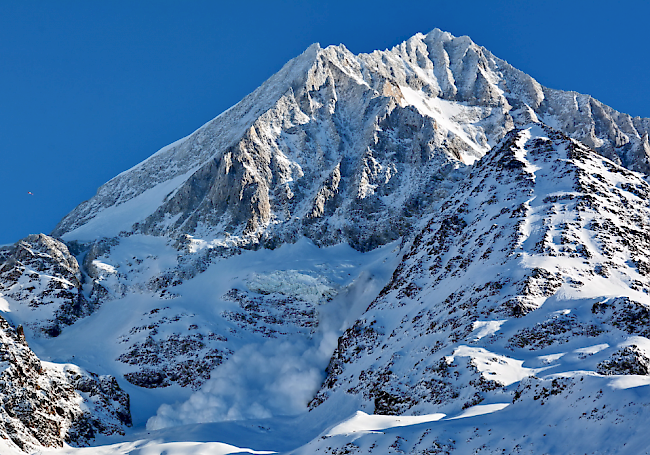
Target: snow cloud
x: 258, y: 381
x: 280, y: 377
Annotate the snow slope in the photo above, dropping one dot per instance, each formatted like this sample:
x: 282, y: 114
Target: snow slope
x: 521, y: 300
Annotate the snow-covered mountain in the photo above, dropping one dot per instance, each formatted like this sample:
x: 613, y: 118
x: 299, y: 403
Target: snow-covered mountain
x: 402, y: 251
x: 535, y: 268
x: 343, y: 147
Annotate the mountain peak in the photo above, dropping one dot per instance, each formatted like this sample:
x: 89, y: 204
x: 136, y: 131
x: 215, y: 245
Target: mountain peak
x: 315, y: 139
x: 440, y: 35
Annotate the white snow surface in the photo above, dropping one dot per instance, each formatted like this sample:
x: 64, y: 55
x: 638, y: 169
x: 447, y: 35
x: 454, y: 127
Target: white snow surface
x: 480, y: 409
x: 120, y: 217
x: 147, y: 447
x: 4, y: 305
x: 361, y: 422
x: 495, y: 367
x: 486, y: 328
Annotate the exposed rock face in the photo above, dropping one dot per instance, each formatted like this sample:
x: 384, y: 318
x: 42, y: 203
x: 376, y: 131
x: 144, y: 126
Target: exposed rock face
x: 346, y: 148
x: 628, y: 360
x: 45, y: 404
x: 42, y: 276
x: 183, y: 358
x: 537, y: 222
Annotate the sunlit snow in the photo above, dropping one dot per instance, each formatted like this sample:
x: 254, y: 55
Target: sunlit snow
x: 362, y: 422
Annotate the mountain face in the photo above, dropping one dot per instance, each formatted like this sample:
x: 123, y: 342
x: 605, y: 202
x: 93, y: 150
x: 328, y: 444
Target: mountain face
x: 361, y: 255
x: 45, y: 404
x: 348, y: 148
x: 41, y: 274
x: 527, y: 258
x: 529, y: 288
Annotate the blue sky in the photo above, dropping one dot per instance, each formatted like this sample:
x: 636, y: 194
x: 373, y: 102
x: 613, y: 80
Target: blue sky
x: 89, y: 89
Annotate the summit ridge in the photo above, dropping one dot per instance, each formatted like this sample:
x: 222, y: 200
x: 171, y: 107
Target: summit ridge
x: 334, y: 129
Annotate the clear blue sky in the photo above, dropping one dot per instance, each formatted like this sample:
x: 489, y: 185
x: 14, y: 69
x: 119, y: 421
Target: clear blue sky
x: 89, y: 89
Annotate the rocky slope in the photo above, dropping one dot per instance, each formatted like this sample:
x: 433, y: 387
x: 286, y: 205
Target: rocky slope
x: 45, y: 404
x: 42, y: 274
x: 536, y: 268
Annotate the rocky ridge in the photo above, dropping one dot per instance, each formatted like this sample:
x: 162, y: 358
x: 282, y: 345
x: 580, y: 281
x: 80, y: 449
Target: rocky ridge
x: 41, y: 273
x: 45, y: 404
